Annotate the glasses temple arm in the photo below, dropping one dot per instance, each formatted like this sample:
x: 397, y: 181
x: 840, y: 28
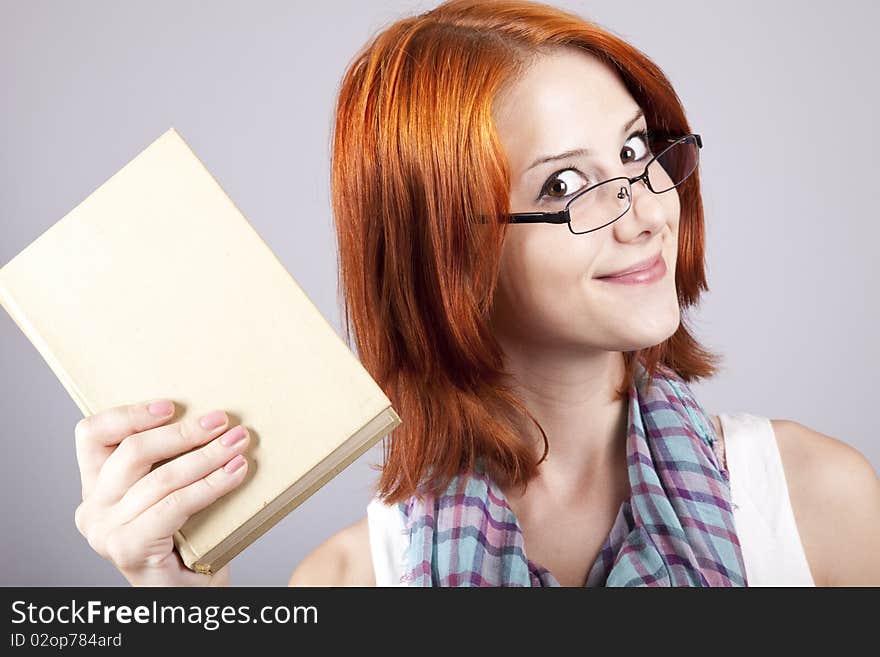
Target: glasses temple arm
x: 538, y: 217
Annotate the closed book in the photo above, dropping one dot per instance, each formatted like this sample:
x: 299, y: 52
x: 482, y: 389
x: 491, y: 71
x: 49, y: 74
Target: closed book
x: 157, y: 286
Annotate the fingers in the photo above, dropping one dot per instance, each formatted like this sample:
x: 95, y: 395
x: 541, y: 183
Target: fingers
x: 97, y: 436
x: 180, y: 472
x: 135, y: 456
x: 169, y: 514
x: 133, y: 504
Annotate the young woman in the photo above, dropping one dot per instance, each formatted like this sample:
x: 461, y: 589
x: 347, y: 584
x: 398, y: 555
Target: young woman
x: 478, y: 109
x: 497, y: 169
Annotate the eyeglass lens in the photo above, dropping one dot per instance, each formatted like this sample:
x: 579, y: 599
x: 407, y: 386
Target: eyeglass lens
x: 609, y: 201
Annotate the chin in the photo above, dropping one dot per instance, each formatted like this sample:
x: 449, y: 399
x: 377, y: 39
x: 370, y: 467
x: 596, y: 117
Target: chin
x: 649, y: 331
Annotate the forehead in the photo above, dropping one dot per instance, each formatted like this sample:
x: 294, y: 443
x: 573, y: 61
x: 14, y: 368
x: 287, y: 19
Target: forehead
x: 562, y: 99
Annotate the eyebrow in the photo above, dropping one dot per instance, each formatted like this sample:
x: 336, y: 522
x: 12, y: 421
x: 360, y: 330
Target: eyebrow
x: 580, y: 152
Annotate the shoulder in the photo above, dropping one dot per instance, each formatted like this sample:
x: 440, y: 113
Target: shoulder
x: 835, y: 497
x: 344, y: 559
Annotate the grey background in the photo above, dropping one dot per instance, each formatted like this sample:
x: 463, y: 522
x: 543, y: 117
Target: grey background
x: 784, y: 94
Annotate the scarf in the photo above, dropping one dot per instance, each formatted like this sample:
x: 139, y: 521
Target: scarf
x: 675, y: 529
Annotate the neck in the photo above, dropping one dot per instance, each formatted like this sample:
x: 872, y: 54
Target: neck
x: 571, y: 394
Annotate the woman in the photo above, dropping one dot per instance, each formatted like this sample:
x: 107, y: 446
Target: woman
x: 549, y: 433
x: 453, y: 115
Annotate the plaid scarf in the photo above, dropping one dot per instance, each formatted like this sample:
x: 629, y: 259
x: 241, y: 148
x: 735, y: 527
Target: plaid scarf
x: 676, y: 529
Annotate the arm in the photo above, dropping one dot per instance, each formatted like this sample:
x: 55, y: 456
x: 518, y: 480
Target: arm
x: 342, y: 560
x: 835, y: 496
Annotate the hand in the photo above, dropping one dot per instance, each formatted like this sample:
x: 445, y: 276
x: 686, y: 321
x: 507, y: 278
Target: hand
x: 129, y: 513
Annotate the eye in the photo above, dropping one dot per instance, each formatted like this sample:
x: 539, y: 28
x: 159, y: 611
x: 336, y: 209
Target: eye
x: 561, y: 185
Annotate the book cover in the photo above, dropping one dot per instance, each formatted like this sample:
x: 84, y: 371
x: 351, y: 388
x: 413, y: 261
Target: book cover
x: 156, y: 285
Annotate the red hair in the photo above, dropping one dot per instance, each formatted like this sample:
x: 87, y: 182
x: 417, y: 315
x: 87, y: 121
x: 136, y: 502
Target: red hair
x: 416, y: 163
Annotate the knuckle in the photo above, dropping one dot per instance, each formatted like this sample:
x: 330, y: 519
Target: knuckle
x: 173, y: 502
x: 79, y: 519
x: 155, y: 560
x: 186, y: 433
x: 81, y: 431
x: 95, y: 538
x: 132, y: 447
x: 209, y: 484
x: 207, y: 456
x: 118, y: 549
x: 163, y: 476
x: 132, y: 415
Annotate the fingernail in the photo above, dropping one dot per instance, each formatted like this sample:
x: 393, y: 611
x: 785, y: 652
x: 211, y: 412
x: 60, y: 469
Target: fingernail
x: 233, y: 436
x: 213, y: 420
x: 234, y: 464
x: 161, y: 408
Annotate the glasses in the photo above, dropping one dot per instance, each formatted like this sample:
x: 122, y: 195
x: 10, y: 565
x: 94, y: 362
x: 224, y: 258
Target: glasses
x: 602, y: 204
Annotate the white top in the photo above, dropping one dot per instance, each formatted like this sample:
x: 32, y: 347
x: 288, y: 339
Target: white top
x: 771, y: 545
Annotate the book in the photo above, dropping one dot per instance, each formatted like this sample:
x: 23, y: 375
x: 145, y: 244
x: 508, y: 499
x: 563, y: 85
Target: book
x: 157, y: 286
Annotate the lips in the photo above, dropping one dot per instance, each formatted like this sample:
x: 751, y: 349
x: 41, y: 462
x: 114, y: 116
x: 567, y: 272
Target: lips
x: 639, y: 266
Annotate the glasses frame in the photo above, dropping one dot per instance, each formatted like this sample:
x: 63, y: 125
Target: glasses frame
x: 564, y: 217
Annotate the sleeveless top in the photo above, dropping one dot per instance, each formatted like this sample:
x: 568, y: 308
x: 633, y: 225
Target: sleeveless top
x: 771, y: 545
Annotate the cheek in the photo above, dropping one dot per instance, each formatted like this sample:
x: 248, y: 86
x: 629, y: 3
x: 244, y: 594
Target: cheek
x: 546, y: 293
x: 542, y: 276
x: 555, y: 261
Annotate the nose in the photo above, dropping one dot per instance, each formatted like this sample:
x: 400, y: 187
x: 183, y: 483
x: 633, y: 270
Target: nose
x: 645, y: 211
x: 622, y: 192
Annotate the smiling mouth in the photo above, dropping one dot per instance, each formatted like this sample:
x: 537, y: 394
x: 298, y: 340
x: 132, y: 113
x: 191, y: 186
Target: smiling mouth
x: 652, y: 273
x: 639, y: 266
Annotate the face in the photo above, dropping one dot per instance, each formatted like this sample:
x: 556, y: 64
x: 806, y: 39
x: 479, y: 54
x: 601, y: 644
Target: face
x: 549, y: 290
